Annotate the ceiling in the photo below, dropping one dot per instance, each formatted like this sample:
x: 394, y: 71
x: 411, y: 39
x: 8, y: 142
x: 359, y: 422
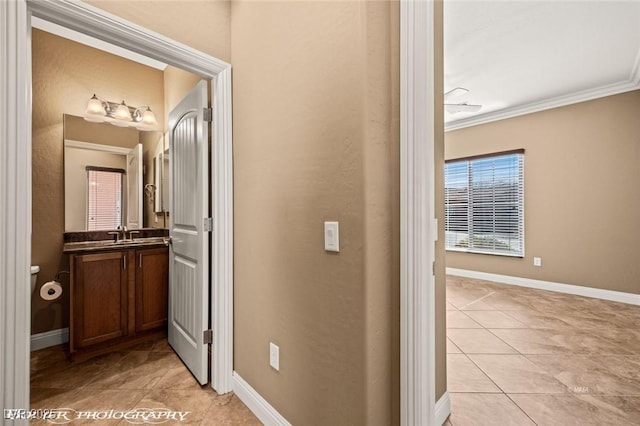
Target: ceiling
x: 517, y: 57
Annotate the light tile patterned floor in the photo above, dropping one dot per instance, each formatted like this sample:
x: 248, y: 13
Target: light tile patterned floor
x: 519, y: 356
x: 149, y: 375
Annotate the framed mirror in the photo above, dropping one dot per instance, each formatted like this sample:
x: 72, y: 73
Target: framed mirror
x: 161, y: 179
x: 104, y: 175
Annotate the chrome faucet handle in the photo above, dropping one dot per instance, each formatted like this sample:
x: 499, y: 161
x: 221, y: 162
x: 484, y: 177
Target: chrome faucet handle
x: 133, y: 232
x: 116, y: 235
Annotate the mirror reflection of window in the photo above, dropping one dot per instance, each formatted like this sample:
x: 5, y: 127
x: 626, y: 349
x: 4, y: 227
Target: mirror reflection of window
x: 104, y: 198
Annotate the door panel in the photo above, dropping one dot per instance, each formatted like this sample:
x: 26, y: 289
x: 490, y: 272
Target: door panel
x: 100, y: 299
x: 189, y: 254
x: 152, y: 276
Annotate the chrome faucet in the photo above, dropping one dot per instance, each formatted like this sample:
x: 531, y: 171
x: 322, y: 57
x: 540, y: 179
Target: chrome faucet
x: 119, y: 234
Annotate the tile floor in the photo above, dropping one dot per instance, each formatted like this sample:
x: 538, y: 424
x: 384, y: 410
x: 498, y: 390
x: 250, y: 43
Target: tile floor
x: 519, y: 356
x: 149, y: 375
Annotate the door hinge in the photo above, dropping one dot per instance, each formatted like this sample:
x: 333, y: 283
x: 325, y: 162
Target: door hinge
x: 207, y: 114
x: 208, y: 224
x: 207, y: 337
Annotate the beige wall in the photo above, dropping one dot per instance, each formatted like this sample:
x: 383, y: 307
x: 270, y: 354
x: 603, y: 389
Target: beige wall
x: 152, y: 143
x: 315, y: 139
x: 200, y: 24
x: 78, y: 129
x: 582, y: 197
x: 177, y: 84
x: 65, y: 75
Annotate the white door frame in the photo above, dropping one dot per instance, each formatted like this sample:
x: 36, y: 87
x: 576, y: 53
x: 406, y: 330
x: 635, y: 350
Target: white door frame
x: 15, y: 175
x: 418, y: 227
x: 417, y: 196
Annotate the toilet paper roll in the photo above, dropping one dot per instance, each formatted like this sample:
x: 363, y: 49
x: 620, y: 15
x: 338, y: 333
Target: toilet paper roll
x: 51, y: 290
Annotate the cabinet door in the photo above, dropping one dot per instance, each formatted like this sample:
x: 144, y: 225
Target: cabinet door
x: 99, y: 297
x: 152, y: 273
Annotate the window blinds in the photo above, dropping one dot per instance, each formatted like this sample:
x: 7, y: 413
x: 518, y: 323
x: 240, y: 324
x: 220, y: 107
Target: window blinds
x: 484, y: 204
x: 104, y: 198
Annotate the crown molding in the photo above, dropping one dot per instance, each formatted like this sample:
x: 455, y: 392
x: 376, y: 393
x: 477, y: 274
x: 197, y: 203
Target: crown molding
x: 559, y: 101
x: 633, y: 83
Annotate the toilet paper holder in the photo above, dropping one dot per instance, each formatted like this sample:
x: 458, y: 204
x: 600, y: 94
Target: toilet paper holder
x: 53, y: 289
x: 57, y: 277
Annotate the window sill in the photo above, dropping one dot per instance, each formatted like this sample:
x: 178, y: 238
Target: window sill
x: 493, y: 253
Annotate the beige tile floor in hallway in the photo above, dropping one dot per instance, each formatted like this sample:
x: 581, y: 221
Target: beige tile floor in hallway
x: 149, y: 375
x: 519, y: 356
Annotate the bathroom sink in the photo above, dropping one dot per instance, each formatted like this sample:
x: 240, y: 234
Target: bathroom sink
x: 111, y: 244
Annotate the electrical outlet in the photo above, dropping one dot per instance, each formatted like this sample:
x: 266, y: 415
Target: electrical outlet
x: 537, y: 261
x: 274, y: 356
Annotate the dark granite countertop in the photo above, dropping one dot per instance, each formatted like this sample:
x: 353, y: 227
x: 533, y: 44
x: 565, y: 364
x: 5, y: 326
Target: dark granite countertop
x: 91, y: 241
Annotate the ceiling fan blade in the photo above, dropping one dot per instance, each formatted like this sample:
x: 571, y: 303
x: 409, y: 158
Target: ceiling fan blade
x: 453, y: 93
x: 454, y: 108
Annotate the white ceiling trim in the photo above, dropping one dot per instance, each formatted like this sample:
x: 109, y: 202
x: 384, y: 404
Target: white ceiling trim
x: 633, y: 83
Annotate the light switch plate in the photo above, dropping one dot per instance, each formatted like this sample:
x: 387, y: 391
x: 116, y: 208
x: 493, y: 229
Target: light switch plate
x: 331, y: 236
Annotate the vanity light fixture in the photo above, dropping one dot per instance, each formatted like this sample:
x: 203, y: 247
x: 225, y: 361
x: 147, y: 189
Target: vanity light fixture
x: 100, y: 110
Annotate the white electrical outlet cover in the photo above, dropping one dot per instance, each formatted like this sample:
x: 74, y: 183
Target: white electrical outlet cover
x: 274, y: 356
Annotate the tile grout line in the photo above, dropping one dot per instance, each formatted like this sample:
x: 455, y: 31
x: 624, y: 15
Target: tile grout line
x: 521, y: 409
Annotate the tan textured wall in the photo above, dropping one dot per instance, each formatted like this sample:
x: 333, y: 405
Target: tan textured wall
x: 177, y: 84
x: 200, y: 24
x: 440, y: 292
x: 301, y: 89
x: 381, y: 149
x: 582, y: 201
x: 78, y: 129
x: 394, y: 170
x: 313, y: 108
x: 65, y: 75
x: 150, y: 142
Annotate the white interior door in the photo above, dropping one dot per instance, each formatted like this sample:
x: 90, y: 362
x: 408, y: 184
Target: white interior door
x: 134, y: 187
x: 189, y: 208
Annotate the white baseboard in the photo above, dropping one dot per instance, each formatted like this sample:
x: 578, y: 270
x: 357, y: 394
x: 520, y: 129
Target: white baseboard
x: 256, y: 403
x: 598, y: 293
x: 49, y: 338
x: 443, y: 408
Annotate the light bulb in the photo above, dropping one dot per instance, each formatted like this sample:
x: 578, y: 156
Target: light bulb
x: 149, y: 118
x: 95, y: 110
x: 122, y: 115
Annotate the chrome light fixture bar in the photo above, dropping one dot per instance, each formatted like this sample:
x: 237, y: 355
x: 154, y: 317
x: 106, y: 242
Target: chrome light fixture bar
x: 100, y: 110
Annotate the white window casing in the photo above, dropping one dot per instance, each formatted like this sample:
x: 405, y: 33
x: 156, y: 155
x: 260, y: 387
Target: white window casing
x: 484, y: 204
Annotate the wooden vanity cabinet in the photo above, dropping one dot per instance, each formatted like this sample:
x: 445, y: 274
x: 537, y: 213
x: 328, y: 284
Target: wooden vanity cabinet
x: 117, y: 298
x: 152, y: 276
x: 99, y: 303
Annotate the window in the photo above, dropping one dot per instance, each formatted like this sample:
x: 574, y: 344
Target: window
x: 104, y: 198
x: 484, y: 204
